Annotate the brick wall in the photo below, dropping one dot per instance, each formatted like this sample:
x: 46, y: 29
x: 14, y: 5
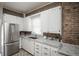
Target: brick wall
x: 71, y: 23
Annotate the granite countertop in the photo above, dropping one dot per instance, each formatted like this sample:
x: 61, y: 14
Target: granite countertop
x: 49, y: 42
x: 42, y: 40
x: 69, y: 49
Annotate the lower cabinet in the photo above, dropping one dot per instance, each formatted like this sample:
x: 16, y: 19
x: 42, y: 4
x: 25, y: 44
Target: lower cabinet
x: 42, y: 49
x: 37, y: 53
x: 38, y: 47
x: 46, y: 50
x: 28, y: 45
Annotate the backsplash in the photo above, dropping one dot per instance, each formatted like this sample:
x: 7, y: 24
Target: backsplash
x: 53, y: 35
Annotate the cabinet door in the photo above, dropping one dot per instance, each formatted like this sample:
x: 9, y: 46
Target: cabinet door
x: 44, y: 21
x: 54, y: 20
x: 28, y: 45
x: 14, y: 19
x: 28, y: 24
x: 31, y: 46
x: 38, y: 46
x: 20, y: 21
x: 9, y: 18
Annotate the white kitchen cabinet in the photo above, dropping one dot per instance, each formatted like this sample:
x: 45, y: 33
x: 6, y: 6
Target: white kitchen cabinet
x: 51, y: 20
x: 9, y: 18
x: 42, y: 49
x: 23, y: 43
x: 38, y: 47
x: 27, y: 24
x: 14, y: 19
x: 28, y: 45
x: 45, y: 50
x: 20, y: 21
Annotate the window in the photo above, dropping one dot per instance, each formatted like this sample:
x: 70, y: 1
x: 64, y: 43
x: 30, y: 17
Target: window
x: 36, y: 24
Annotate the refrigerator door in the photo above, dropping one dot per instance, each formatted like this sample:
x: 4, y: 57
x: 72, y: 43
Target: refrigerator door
x: 11, y: 48
x: 14, y: 32
x: 11, y: 33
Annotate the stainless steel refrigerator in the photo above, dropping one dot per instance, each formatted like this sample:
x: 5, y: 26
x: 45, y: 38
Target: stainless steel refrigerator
x: 9, y: 39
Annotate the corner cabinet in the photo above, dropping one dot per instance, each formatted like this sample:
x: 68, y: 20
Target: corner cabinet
x: 51, y: 20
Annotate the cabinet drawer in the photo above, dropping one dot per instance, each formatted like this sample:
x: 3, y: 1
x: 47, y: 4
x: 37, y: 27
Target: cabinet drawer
x: 45, y: 53
x: 37, y: 44
x: 38, y: 48
x: 37, y: 53
x: 45, y: 48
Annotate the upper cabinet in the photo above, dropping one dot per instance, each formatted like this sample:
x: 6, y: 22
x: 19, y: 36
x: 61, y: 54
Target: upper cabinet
x: 21, y: 23
x: 27, y: 24
x: 51, y: 20
x: 14, y: 19
x: 9, y: 18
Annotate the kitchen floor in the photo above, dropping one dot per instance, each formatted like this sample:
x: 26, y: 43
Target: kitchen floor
x: 22, y: 53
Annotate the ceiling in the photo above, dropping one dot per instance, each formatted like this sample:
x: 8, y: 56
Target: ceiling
x: 24, y: 7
